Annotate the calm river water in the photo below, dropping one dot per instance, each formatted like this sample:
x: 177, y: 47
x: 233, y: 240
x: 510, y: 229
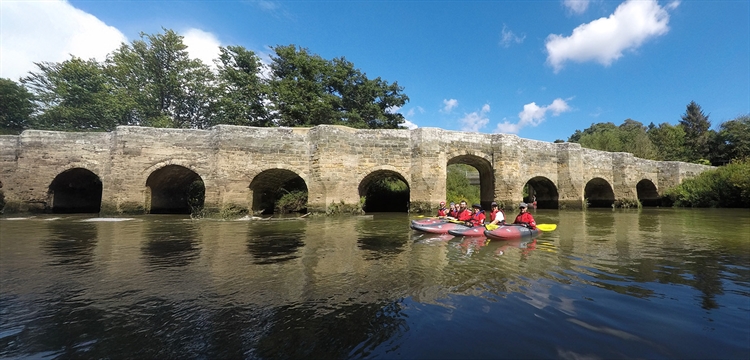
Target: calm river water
x: 655, y: 283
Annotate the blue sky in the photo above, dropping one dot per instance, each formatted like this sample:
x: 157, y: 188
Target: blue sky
x: 539, y: 69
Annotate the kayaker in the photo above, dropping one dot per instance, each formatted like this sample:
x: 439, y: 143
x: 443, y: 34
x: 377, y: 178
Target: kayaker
x: 497, y: 216
x: 477, y: 216
x: 453, y: 211
x: 464, y: 214
x: 524, y: 217
x: 442, y: 211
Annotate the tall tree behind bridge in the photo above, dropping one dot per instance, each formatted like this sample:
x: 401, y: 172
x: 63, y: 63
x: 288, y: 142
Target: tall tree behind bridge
x: 16, y: 107
x: 697, y: 134
x: 242, y: 93
x: 76, y: 95
x: 168, y: 87
x: 307, y: 90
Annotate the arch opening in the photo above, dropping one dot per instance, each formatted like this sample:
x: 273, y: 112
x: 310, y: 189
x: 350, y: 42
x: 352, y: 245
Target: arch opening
x: 541, y: 193
x: 480, y: 176
x: 384, y: 191
x: 647, y: 194
x: 76, y: 191
x: 599, y: 194
x: 278, y: 191
x: 175, y: 189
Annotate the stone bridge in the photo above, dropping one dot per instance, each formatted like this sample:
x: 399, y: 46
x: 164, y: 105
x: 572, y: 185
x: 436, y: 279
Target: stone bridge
x: 146, y: 170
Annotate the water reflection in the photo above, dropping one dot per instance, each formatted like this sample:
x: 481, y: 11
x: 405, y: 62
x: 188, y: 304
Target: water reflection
x: 384, y: 237
x: 302, y: 331
x: 71, y: 243
x: 171, y: 243
x: 273, y: 243
x: 372, y: 288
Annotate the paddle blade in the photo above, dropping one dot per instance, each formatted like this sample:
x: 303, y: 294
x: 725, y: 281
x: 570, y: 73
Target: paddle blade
x: 491, y: 227
x: 546, y: 227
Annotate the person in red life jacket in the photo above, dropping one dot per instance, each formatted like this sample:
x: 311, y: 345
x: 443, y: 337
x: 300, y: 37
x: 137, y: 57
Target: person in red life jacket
x: 464, y: 214
x: 453, y: 211
x: 442, y: 211
x: 477, y: 216
x: 497, y: 216
x: 524, y: 217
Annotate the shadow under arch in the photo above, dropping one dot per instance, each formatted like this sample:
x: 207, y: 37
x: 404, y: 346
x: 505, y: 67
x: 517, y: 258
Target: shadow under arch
x: 270, y: 185
x: 175, y: 189
x: 545, y: 192
x: 599, y: 194
x: 486, y: 176
x: 75, y: 190
x: 647, y: 194
x: 384, y: 191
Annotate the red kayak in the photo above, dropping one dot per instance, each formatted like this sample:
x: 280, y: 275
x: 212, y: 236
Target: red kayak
x: 510, y: 232
x: 468, y: 231
x: 427, y: 221
x: 439, y: 227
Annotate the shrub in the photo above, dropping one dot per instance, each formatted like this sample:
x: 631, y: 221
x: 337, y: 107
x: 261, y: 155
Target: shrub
x: 726, y: 186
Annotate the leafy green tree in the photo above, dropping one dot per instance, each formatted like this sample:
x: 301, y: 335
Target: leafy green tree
x: 76, y: 95
x: 241, y: 91
x: 636, y: 141
x: 458, y: 187
x: 733, y: 140
x: 16, y: 107
x: 669, y: 141
x: 697, y: 135
x: 168, y: 87
x: 307, y: 90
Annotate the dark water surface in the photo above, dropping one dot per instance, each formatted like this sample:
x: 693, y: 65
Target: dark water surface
x: 656, y: 284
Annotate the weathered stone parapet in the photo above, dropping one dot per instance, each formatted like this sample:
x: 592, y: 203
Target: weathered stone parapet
x: 337, y: 165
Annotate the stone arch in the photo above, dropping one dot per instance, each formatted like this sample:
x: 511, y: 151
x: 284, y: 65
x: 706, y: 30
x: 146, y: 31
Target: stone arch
x: 598, y: 193
x: 647, y: 193
x: 545, y: 192
x: 266, y: 186
x: 380, y: 199
x: 76, y: 190
x: 174, y: 189
x: 486, y: 176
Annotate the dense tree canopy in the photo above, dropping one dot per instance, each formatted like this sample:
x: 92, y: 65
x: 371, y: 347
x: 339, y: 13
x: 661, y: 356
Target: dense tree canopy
x: 16, y: 107
x: 690, y: 140
x: 153, y: 81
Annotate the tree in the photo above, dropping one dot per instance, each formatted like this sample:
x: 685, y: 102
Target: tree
x: 733, y: 140
x: 76, y: 95
x: 697, y: 136
x: 241, y: 91
x: 306, y: 90
x: 168, y: 87
x: 669, y: 141
x: 16, y: 107
x: 636, y: 141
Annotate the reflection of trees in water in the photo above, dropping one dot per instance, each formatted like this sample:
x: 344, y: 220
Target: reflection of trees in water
x: 381, y: 238
x: 276, y: 243
x: 170, y: 244
x: 600, y: 222
x: 71, y: 242
x: 304, y: 332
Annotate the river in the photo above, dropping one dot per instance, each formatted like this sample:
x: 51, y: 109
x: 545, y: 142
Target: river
x: 652, y: 283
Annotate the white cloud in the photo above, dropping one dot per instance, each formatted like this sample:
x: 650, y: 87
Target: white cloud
x: 36, y: 31
x: 576, y: 6
x: 202, y: 45
x: 449, y: 105
x: 476, y: 120
x: 409, y: 125
x: 508, y: 37
x: 533, y: 115
x: 604, y: 40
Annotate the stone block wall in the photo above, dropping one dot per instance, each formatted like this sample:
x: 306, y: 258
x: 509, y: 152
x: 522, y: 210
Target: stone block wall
x: 336, y: 163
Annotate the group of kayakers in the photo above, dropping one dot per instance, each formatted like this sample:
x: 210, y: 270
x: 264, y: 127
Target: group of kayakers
x: 476, y: 216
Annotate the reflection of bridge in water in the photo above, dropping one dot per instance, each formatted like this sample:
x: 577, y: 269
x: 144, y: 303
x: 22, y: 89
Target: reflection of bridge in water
x: 146, y: 170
